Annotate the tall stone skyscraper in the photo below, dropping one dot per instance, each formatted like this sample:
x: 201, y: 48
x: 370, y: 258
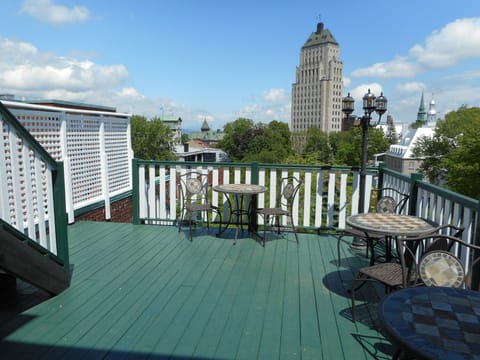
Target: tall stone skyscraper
x: 317, y: 91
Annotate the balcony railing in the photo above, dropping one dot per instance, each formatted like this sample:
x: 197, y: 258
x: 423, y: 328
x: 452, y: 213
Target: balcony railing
x: 328, y: 196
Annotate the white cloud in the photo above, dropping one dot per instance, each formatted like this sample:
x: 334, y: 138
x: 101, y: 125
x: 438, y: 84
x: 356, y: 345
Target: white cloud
x: 359, y: 92
x: 399, y: 67
x: 272, y: 104
x: 130, y: 92
x: 457, y: 41
x: 275, y: 95
x: 24, y: 69
x: 454, y: 43
x: 46, y: 10
x: 410, y: 87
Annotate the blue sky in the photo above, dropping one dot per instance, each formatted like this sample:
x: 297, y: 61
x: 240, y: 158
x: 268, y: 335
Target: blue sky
x: 220, y: 60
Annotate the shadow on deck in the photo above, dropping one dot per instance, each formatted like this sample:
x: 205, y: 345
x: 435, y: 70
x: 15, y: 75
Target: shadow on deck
x: 145, y: 291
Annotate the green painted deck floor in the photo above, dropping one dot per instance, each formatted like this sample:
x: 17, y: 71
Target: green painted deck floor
x: 144, y: 291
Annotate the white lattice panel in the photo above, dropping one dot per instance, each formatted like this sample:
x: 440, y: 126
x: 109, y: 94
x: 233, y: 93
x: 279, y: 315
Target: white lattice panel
x: 83, y: 149
x: 117, y: 150
x: 95, y: 147
x: 44, y: 126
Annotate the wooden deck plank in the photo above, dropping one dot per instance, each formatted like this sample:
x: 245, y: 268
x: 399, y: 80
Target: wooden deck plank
x: 146, y: 331
x: 252, y: 332
x: 234, y: 327
x: 318, y: 251
x: 136, y: 295
x: 272, y: 326
x: 290, y: 338
x: 309, y: 325
x: 211, y: 336
x: 80, y: 328
x: 148, y: 291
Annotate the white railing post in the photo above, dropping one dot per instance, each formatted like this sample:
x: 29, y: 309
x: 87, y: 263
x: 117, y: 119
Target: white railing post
x: 104, y: 168
x: 66, y: 168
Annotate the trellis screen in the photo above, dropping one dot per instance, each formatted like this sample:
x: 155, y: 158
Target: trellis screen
x: 95, y: 147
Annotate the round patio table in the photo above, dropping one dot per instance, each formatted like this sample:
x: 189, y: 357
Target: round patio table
x: 389, y: 225
x: 433, y: 322
x: 239, y: 191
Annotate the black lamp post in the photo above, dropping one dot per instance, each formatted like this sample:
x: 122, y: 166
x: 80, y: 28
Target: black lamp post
x: 370, y: 104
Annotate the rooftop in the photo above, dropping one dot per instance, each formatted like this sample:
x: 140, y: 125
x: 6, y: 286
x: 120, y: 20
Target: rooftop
x: 148, y: 291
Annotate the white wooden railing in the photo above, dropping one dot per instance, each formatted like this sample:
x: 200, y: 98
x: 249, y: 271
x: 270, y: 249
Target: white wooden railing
x: 29, y: 182
x: 328, y: 196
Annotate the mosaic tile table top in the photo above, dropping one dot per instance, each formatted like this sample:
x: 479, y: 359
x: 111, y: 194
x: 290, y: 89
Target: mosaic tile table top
x: 246, y: 189
x: 390, y: 224
x: 433, y: 322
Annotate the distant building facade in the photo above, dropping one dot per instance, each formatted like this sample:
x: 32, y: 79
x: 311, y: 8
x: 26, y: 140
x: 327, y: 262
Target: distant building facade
x: 174, y: 123
x: 399, y: 157
x: 207, y: 136
x: 317, y: 91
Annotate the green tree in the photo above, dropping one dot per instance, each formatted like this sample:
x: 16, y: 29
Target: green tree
x: 318, y: 145
x: 151, y: 140
x: 245, y: 141
x: 347, y: 145
x: 453, y: 153
x: 185, y: 138
x: 235, y: 137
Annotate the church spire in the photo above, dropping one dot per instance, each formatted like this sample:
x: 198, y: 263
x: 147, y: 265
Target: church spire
x: 422, y: 113
x: 432, y: 113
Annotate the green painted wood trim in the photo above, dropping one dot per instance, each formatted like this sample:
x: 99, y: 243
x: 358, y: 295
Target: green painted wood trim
x: 412, y: 201
x: 136, y: 200
x: 249, y: 165
x: 61, y: 219
x: 255, y: 172
x: 381, y: 171
x: 456, y: 197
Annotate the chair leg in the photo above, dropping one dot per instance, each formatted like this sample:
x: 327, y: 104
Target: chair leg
x: 339, y: 261
x: 180, y: 222
x: 190, y: 223
x: 358, y: 277
x: 293, y: 227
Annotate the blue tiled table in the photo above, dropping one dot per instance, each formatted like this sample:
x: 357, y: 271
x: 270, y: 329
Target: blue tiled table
x: 433, y: 322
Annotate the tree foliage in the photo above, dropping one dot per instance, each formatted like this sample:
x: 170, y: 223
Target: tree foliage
x: 453, y: 154
x: 151, y: 140
x: 272, y: 143
x: 318, y: 145
x: 244, y: 140
x: 347, y: 145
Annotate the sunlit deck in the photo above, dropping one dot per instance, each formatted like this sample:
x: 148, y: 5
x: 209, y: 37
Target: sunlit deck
x: 141, y: 291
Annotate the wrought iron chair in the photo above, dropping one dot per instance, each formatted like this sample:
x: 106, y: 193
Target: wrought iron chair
x: 290, y: 186
x: 193, y: 187
x: 384, y: 200
x: 415, y: 254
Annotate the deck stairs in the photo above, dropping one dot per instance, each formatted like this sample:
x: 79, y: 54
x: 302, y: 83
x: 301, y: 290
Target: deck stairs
x: 23, y: 258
